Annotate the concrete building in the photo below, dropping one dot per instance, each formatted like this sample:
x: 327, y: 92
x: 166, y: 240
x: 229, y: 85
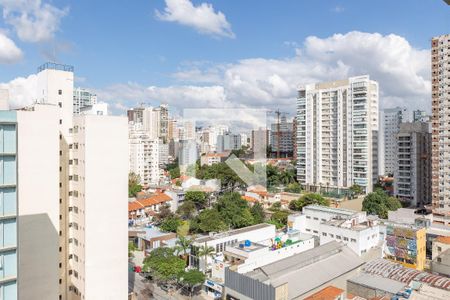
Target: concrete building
x: 337, y: 134
x: 228, y: 141
x: 354, y: 229
x: 213, y: 158
x: 404, y: 244
x: 391, y: 118
x: 153, y: 120
x: 421, y: 116
x: 61, y: 185
x: 440, y: 109
x: 260, y: 142
x: 83, y: 99
x: 441, y: 264
x: 219, y: 241
x: 144, y: 157
x: 282, y: 136
x: 412, y: 173
x: 99, y: 109
x: 370, y: 286
x: 295, y: 277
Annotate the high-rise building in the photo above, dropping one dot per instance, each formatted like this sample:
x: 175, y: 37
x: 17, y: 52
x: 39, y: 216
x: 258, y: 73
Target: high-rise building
x: 144, y: 157
x: 412, y: 184
x: 228, y: 141
x: 281, y: 136
x: 62, y: 180
x: 440, y: 108
x: 390, y: 118
x: 260, y: 142
x: 153, y: 120
x: 421, y: 116
x: 337, y: 134
x: 83, y: 99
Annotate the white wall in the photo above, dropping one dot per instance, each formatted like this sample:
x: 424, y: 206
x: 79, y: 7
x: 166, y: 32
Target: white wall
x: 106, y: 194
x: 38, y: 203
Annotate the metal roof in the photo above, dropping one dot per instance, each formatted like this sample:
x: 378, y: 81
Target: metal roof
x: 378, y: 282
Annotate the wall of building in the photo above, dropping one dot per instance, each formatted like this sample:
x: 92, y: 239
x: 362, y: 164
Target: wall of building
x: 38, y: 203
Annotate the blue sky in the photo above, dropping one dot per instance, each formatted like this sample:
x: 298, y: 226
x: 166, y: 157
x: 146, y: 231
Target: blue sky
x: 228, y: 52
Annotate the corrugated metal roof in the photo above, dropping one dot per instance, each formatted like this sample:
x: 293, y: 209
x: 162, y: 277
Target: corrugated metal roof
x: 399, y: 273
x: 378, y: 282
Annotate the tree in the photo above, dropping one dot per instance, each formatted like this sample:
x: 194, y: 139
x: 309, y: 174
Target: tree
x: 134, y: 185
x: 131, y: 248
x: 187, y: 209
x: 209, y: 220
x: 294, y: 187
x: 175, y: 173
x: 164, y: 213
x: 258, y: 213
x: 234, y: 210
x: 183, y: 229
x: 163, y: 264
x: 379, y: 203
x: 275, y: 206
x: 279, y: 218
x: 182, y: 246
x: 206, y: 251
x: 356, y: 189
x: 196, y: 197
x: 192, y: 278
x: 308, y: 199
x: 170, y: 224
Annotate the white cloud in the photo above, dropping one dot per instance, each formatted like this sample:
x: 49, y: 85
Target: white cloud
x: 202, y: 17
x: 22, y: 91
x: 402, y: 71
x: 9, y: 52
x: 338, y: 9
x: 32, y: 20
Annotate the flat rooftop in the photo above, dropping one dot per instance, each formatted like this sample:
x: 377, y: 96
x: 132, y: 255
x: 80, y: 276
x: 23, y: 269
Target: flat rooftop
x: 204, y: 239
x: 341, y: 211
x: 378, y: 282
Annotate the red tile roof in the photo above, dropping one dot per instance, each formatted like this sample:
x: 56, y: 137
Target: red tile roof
x: 154, y: 199
x: 443, y: 239
x: 249, y: 199
x: 149, y: 201
x: 328, y: 293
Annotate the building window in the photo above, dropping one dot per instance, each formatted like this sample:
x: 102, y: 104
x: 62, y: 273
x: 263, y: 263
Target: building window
x: 324, y: 233
x: 338, y: 237
x: 439, y: 249
x: 308, y: 217
x: 345, y: 238
x: 315, y: 231
x: 60, y: 121
x: 60, y: 104
x: 316, y: 218
x: 353, y: 240
x: 439, y: 259
x: 59, y: 92
x: 331, y: 235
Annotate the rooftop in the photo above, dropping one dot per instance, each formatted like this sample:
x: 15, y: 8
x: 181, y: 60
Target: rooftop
x: 328, y: 293
x: 443, y: 239
x: 341, y: 211
x: 326, y: 262
x: 220, y: 235
x: 55, y: 66
x: 397, y: 272
x: 378, y: 282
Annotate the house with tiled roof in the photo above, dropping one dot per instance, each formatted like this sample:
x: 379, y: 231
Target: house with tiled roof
x: 147, y: 206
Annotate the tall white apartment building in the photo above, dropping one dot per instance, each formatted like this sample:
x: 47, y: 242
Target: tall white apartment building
x: 154, y: 120
x: 412, y: 172
x: 83, y: 99
x: 440, y: 108
x: 61, y: 175
x: 144, y: 157
x: 391, y: 118
x: 337, y: 134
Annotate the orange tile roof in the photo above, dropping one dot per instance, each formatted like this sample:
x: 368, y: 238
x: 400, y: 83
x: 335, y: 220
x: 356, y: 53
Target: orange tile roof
x: 249, y: 199
x: 154, y: 199
x: 328, y: 293
x: 132, y: 206
x: 443, y: 239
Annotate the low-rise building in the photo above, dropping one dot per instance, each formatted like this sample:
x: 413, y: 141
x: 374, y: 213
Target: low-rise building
x: 405, y: 244
x: 142, y: 209
x: 441, y: 264
x: 219, y: 241
x: 295, y: 277
x: 328, y: 293
x: 355, y: 229
x: 210, y: 159
x: 151, y: 238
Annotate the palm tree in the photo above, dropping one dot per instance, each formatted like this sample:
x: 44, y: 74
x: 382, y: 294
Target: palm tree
x: 206, y: 251
x: 182, y: 246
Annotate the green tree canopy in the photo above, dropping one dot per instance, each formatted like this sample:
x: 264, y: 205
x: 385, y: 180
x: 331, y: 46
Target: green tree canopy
x: 134, y: 185
x: 356, y: 189
x: 279, y: 218
x: 163, y: 264
x: 196, y: 197
x: 308, y: 199
x: 209, y: 220
x: 187, y: 209
x: 379, y: 203
x: 192, y: 277
x: 294, y: 187
x: 170, y: 224
x: 234, y: 211
x: 258, y: 213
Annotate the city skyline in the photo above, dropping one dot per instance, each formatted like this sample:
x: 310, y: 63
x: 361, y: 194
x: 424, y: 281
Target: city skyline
x: 226, y: 61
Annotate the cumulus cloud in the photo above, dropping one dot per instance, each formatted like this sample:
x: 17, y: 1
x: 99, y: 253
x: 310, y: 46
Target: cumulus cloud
x: 22, y: 91
x: 403, y: 73
x: 9, y: 52
x: 32, y: 20
x: 203, y: 18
